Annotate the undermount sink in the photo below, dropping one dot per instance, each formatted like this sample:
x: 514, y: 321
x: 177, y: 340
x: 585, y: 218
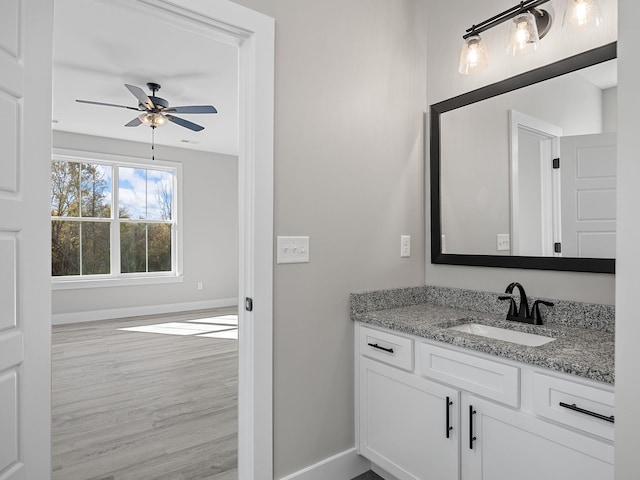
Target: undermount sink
x: 513, y: 336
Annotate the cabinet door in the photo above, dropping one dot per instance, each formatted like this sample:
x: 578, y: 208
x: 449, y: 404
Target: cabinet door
x: 509, y: 445
x: 403, y: 423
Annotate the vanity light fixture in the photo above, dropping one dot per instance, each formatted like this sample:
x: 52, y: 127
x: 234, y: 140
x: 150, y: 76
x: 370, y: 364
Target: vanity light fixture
x: 473, y: 56
x: 523, y: 34
x: 582, y: 14
x: 528, y: 25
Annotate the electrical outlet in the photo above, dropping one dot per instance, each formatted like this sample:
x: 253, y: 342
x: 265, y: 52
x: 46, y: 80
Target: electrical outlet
x: 199, y: 285
x: 292, y: 250
x: 503, y: 242
x: 405, y: 245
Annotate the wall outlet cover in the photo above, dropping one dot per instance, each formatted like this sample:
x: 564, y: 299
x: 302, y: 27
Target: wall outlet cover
x: 405, y: 245
x: 503, y: 241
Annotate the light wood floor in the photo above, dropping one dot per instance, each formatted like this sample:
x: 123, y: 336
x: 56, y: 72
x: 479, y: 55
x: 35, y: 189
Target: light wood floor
x: 146, y: 406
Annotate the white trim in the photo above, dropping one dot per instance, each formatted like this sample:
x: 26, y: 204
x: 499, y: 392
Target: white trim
x: 550, y: 207
x: 95, y: 315
x: 254, y: 34
x: 382, y: 472
x: 66, y: 283
x: 343, y: 466
x: 127, y: 161
x: 87, y: 156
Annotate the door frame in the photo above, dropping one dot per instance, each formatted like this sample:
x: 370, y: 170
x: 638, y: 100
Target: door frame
x: 253, y: 34
x: 550, y: 200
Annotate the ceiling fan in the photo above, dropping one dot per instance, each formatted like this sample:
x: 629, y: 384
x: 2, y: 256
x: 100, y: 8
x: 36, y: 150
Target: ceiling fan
x: 156, y: 111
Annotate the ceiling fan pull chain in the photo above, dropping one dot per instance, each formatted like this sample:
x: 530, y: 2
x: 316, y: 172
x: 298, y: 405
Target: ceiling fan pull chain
x: 153, y: 143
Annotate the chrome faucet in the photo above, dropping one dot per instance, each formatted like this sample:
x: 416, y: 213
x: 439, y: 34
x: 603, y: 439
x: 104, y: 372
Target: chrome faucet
x: 522, y: 313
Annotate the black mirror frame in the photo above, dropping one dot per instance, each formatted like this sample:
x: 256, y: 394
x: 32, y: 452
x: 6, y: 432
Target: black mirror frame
x: 561, y: 67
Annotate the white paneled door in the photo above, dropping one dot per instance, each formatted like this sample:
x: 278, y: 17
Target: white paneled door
x: 588, y: 194
x: 25, y: 305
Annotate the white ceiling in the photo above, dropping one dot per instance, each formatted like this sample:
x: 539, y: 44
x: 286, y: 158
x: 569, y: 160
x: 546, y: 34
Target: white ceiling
x: 99, y: 47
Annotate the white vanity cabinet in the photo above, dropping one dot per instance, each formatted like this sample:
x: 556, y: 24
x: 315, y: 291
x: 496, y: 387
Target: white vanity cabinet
x: 403, y: 423
x: 403, y: 417
x: 510, y: 444
x: 428, y: 411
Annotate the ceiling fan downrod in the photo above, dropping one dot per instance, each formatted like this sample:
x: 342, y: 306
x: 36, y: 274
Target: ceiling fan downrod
x: 153, y: 142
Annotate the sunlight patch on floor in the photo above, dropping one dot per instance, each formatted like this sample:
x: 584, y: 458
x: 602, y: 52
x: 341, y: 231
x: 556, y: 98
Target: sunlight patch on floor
x: 225, y: 327
x: 229, y: 334
x: 221, y: 320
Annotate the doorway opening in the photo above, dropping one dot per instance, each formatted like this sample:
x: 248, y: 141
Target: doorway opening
x: 251, y: 34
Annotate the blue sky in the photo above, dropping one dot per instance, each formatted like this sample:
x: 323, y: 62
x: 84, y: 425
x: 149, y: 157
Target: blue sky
x: 138, y: 191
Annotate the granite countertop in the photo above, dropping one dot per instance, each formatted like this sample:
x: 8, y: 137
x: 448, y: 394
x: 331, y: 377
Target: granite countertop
x: 585, y: 352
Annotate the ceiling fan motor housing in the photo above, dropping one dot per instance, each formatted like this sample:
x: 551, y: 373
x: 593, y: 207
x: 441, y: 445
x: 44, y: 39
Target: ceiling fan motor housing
x: 160, y: 103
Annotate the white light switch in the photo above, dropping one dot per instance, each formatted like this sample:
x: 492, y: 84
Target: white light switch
x: 292, y: 250
x: 405, y: 245
x: 503, y: 242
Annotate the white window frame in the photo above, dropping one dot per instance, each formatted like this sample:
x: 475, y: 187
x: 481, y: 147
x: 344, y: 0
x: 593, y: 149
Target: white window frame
x: 136, y: 278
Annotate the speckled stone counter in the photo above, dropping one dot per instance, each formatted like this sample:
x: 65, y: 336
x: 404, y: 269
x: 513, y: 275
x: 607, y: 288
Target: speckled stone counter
x: 584, y: 333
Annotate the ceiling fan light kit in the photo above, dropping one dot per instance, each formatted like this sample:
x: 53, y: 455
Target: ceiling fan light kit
x: 156, y: 111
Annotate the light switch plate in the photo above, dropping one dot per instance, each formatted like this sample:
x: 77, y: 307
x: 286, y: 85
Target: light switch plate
x: 292, y: 250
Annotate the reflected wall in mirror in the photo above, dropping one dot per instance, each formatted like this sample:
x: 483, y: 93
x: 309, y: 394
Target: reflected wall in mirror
x: 496, y: 198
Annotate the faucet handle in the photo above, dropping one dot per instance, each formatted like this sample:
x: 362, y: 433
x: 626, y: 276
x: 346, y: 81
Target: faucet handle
x: 535, y: 311
x: 513, y: 309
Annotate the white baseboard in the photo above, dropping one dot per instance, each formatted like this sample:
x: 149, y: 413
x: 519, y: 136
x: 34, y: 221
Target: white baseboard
x: 94, y: 315
x: 382, y: 472
x: 343, y: 466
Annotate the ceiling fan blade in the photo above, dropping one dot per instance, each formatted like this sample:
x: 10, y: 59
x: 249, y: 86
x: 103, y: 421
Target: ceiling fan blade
x: 107, y: 104
x: 192, y: 109
x: 141, y: 96
x: 185, y: 123
x: 134, y: 123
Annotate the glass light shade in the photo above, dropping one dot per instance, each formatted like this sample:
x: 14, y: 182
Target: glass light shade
x: 523, y: 34
x: 473, y: 56
x: 153, y: 119
x: 582, y: 15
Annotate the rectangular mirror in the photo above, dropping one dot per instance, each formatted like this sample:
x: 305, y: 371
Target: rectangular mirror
x: 523, y: 172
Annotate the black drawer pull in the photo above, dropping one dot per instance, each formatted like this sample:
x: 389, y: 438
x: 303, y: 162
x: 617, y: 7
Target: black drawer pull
x: 449, y: 427
x: 588, y: 412
x: 472, y: 437
x: 375, y: 345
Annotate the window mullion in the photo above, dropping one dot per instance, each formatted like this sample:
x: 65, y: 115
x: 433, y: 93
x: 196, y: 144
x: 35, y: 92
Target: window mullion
x: 80, y: 245
x: 115, y: 222
x: 146, y: 247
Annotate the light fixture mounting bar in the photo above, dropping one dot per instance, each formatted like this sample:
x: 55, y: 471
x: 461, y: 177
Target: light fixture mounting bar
x: 502, y: 17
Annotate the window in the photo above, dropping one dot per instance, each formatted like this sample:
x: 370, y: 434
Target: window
x: 112, y: 220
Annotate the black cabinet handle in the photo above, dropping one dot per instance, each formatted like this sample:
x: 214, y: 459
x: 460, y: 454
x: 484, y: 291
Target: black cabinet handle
x: 449, y: 427
x: 375, y: 345
x: 575, y: 408
x: 472, y: 437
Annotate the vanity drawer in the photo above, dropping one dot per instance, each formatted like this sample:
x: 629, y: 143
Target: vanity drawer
x: 387, y: 347
x: 584, y: 407
x: 493, y: 380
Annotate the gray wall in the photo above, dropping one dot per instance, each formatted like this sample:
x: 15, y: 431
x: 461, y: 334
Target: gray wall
x: 610, y: 110
x: 350, y: 97
x: 210, y: 232
x: 628, y: 239
x: 447, y: 20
